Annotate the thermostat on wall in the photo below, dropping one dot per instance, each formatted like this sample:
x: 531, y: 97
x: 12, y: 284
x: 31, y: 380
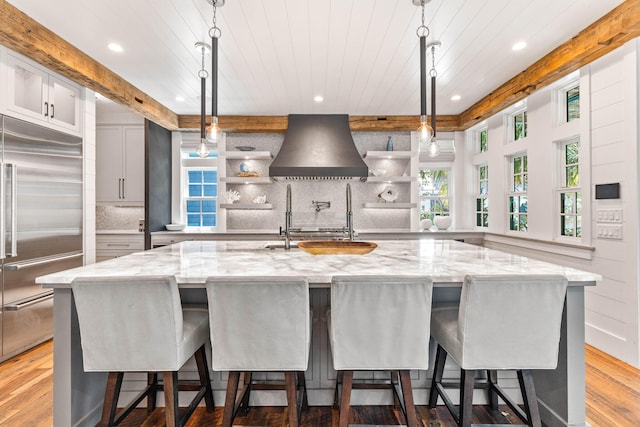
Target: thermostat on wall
x: 608, y: 191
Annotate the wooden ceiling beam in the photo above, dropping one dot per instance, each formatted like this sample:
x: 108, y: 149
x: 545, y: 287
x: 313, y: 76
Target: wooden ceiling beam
x: 611, y: 31
x: 24, y: 35
x: 278, y: 124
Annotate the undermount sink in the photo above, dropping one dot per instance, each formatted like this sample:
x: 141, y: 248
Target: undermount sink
x: 336, y: 247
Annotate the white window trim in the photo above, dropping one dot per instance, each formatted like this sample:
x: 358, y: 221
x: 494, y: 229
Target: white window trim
x: 558, y: 189
x: 439, y: 166
x: 560, y: 99
x: 510, y: 193
x: 508, y: 119
x: 478, y: 195
x: 476, y: 142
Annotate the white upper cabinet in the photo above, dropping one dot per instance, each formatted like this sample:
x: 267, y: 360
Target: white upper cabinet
x: 120, y: 165
x: 37, y: 95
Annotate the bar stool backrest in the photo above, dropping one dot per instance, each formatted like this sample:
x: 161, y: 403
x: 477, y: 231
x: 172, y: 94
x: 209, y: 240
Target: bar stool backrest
x: 380, y: 322
x: 511, y: 322
x: 129, y: 323
x: 259, y: 324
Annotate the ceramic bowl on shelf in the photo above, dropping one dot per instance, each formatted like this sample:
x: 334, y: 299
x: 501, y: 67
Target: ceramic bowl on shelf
x: 442, y: 222
x: 174, y: 227
x: 426, y: 224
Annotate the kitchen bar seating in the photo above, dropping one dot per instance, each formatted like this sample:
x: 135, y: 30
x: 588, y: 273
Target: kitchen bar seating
x: 260, y: 325
x: 137, y: 324
x: 379, y: 323
x: 502, y: 323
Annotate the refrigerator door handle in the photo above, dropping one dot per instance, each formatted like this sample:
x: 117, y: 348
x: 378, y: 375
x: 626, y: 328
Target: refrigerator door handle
x: 3, y: 248
x: 40, y: 261
x: 14, y: 210
x: 28, y: 302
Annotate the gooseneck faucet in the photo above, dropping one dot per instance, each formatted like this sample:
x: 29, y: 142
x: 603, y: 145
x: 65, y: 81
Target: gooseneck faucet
x: 349, y: 213
x: 287, y: 220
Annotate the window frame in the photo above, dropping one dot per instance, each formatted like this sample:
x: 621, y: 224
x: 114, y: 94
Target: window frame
x: 444, y: 200
x: 478, y: 134
x: 565, y: 100
x: 514, y: 194
x: 482, y: 199
x: 188, y: 164
x: 563, y: 187
x: 512, y: 128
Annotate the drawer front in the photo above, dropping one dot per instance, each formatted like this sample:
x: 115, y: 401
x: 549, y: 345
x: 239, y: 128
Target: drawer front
x: 120, y: 243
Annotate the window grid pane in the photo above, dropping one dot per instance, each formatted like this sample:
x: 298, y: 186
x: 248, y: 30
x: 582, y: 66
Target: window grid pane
x: 433, y: 193
x: 572, y: 98
x: 520, y: 126
x: 200, y: 201
x: 483, y: 140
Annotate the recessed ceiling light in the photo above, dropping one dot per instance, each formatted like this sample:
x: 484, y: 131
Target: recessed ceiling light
x: 455, y: 98
x: 519, y: 46
x: 180, y: 98
x: 115, y: 47
x: 318, y: 98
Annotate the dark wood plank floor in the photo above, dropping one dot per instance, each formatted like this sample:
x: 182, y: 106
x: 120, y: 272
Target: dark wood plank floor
x: 26, y: 399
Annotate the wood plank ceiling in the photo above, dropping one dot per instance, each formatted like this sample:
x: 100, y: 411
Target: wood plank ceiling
x: 360, y: 55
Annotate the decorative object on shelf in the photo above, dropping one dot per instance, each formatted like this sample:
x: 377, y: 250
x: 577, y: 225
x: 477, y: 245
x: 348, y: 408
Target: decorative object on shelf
x: 389, y: 194
x: 213, y: 131
x: 389, y: 144
x: 174, y: 227
x: 203, y: 150
x: 378, y: 172
x: 426, y: 224
x: 245, y: 171
x: 427, y: 133
x: 442, y: 222
x: 259, y: 200
x: 245, y: 148
x: 232, y: 196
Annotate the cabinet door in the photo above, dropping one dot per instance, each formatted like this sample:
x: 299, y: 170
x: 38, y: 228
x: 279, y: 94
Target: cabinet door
x: 27, y: 89
x: 134, y: 165
x: 64, y: 102
x: 109, y: 160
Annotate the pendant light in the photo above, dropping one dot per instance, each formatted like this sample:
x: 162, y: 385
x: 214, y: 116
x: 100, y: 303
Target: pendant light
x: 434, y: 148
x: 202, y: 150
x: 213, y: 130
x: 425, y: 131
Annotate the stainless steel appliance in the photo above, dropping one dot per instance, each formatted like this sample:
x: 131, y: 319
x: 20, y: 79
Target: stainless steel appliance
x: 40, y: 226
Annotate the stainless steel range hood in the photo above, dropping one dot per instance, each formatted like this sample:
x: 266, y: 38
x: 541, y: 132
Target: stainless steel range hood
x: 318, y: 146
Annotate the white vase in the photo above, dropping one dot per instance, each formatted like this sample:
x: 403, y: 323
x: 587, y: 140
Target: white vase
x: 426, y: 224
x: 442, y: 222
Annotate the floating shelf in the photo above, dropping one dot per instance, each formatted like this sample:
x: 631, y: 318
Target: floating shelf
x: 245, y: 180
x: 390, y: 179
x: 248, y: 155
x: 378, y: 205
x: 390, y: 154
x: 247, y: 206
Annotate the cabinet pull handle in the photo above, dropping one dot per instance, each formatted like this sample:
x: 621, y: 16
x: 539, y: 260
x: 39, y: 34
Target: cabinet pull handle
x: 119, y: 188
x: 52, y: 111
x: 123, y: 196
x: 46, y: 109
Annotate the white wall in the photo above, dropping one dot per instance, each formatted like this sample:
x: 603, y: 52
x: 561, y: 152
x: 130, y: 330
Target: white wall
x: 608, y: 135
x: 89, y: 179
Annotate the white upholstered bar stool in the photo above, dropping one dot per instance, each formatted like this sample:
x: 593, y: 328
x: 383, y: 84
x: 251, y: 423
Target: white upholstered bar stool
x: 260, y: 325
x: 379, y: 323
x: 137, y: 324
x: 502, y: 323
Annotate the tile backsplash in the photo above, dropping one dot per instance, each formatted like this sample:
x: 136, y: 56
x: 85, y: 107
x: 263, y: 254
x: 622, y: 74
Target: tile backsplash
x: 118, y: 217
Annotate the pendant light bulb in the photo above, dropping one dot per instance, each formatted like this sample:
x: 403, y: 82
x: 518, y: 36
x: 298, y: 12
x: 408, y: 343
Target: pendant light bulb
x: 434, y: 148
x: 425, y: 131
x: 203, y: 151
x: 213, y: 130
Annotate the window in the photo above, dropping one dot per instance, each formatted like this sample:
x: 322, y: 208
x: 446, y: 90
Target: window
x: 572, y: 102
x: 569, y: 190
x: 200, y: 189
x: 520, y: 125
x: 482, y: 140
x: 518, y: 196
x: 434, y: 193
x: 482, y: 202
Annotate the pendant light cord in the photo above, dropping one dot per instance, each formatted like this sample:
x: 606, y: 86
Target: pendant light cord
x: 203, y: 74
x: 215, y: 33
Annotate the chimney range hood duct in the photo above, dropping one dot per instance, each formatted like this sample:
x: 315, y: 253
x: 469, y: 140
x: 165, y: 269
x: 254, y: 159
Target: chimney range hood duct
x: 318, y: 146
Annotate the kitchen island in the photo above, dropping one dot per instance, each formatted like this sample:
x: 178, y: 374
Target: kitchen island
x: 78, y: 395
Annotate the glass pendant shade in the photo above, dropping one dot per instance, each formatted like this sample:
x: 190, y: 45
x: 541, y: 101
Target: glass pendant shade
x: 202, y: 150
x: 213, y: 130
x: 425, y: 131
x: 434, y: 148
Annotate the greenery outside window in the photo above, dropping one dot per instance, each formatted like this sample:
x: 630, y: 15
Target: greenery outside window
x: 518, y: 220
x: 433, y: 193
x: 200, y: 190
x: 482, y: 140
x: 482, y: 202
x: 569, y: 191
x: 572, y: 102
x: 520, y: 125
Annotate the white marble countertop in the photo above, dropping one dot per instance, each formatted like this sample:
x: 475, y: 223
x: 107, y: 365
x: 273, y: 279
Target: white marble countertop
x: 446, y: 261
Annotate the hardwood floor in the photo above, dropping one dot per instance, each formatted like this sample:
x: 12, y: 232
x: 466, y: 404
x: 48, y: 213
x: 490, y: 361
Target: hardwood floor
x: 26, y: 398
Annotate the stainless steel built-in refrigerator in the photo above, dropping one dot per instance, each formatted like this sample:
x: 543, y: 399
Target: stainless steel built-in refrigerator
x: 40, y: 226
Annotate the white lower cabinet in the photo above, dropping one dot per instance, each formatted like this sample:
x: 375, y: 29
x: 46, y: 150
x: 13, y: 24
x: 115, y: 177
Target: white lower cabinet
x: 116, y: 245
